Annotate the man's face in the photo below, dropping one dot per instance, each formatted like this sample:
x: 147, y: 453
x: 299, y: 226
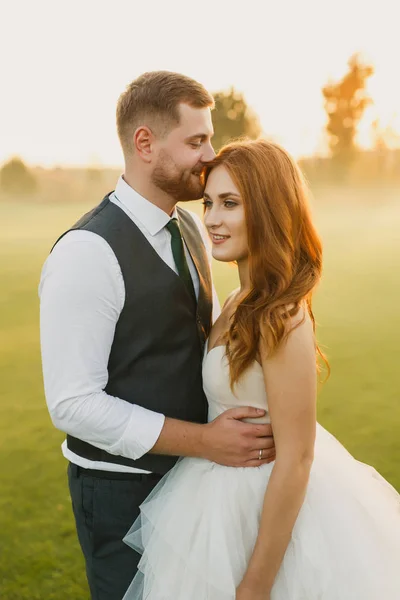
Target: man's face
x: 182, y: 154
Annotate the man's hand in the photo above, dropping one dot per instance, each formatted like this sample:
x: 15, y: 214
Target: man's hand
x: 227, y: 440
x: 230, y: 442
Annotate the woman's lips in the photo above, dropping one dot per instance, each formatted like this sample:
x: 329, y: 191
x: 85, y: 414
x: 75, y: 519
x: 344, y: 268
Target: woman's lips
x: 219, y: 239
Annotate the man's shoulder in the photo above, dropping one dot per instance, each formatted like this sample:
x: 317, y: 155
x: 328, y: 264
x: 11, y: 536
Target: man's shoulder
x: 186, y: 211
x: 191, y: 216
x: 200, y: 228
x: 79, y: 247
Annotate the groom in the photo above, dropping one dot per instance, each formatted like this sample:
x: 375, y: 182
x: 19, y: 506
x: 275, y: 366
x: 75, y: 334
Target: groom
x: 126, y: 306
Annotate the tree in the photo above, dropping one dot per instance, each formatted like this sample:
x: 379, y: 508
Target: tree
x: 345, y: 103
x: 232, y: 118
x: 16, y: 178
x: 94, y: 175
x: 384, y: 138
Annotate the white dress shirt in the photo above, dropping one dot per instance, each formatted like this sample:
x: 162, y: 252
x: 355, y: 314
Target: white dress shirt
x: 82, y: 294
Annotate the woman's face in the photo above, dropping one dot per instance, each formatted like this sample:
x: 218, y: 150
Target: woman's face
x: 224, y: 217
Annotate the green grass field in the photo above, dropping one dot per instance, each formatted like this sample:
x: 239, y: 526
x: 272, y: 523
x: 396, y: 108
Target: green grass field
x: 359, y: 324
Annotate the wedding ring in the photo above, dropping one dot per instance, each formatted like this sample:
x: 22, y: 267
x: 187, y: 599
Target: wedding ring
x: 260, y: 454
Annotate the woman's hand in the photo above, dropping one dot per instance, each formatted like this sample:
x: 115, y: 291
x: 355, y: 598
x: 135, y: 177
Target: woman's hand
x: 251, y: 591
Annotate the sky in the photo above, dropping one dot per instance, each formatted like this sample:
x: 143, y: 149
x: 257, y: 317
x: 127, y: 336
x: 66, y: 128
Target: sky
x: 64, y: 65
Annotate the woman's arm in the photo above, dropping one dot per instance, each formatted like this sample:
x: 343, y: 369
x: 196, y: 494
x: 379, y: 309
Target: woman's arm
x: 290, y: 382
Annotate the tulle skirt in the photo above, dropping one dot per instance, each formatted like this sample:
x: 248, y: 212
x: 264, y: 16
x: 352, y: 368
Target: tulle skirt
x: 198, y: 527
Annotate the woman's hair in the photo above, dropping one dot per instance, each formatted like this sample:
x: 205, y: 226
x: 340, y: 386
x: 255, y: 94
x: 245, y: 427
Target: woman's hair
x: 285, y: 251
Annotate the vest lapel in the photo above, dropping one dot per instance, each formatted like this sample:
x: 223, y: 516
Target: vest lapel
x: 195, y: 245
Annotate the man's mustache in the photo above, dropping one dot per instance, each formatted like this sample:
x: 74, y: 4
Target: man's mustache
x: 198, y: 171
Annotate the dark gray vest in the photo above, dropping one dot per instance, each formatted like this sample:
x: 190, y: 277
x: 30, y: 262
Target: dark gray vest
x: 156, y: 356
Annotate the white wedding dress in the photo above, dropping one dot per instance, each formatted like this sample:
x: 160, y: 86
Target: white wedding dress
x: 198, y: 527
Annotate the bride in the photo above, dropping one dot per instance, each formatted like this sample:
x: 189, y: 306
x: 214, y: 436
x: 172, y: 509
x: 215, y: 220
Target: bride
x: 316, y: 524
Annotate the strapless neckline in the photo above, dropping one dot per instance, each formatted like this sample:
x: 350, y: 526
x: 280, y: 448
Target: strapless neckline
x: 207, y: 352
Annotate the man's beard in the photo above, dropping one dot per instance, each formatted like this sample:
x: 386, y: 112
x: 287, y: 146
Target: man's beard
x: 181, y: 185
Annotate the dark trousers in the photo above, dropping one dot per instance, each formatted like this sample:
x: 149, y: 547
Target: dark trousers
x: 105, y: 508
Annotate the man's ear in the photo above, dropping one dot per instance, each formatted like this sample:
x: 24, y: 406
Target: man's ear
x: 143, y: 141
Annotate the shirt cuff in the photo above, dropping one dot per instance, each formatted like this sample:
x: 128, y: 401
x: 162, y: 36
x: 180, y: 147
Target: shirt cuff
x: 141, y: 433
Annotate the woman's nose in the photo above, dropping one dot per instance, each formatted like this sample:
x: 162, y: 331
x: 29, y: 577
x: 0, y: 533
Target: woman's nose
x: 211, y: 218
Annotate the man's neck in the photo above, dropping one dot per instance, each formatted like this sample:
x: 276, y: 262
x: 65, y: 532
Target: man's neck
x: 150, y: 193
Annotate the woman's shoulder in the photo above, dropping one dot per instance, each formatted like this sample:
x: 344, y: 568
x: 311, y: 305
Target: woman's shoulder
x: 298, y: 326
x: 230, y: 298
x: 297, y: 315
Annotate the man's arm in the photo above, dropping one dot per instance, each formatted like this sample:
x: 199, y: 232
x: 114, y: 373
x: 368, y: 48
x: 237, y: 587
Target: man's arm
x: 226, y: 440
x: 82, y: 295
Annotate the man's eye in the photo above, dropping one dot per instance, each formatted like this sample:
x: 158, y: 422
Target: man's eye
x: 195, y: 144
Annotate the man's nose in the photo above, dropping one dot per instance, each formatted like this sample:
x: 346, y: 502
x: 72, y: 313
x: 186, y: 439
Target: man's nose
x: 208, y: 153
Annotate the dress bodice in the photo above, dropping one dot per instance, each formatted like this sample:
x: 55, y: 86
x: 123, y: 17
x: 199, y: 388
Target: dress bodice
x: 249, y: 391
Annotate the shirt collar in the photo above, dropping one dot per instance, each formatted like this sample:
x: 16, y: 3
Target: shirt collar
x: 153, y: 218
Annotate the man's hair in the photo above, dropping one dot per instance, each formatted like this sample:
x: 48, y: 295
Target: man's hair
x: 153, y: 99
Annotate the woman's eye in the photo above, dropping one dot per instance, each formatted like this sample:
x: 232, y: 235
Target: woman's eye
x: 230, y: 203
x: 207, y: 203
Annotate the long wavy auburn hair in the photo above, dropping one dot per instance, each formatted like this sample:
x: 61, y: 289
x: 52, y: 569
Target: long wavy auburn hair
x: 285, y: 251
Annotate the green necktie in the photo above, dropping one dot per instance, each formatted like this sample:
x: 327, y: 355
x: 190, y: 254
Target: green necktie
x: 178, y: 253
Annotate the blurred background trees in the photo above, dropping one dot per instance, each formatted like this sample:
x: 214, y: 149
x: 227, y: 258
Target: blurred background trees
x: 345, y: 103
x: 233, y: 118
x: 16, y: 179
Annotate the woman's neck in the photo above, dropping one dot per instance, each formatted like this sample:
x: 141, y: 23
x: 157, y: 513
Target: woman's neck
x: 244, y: 276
